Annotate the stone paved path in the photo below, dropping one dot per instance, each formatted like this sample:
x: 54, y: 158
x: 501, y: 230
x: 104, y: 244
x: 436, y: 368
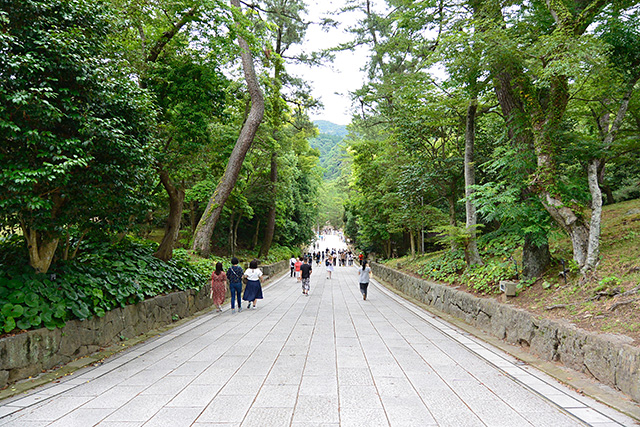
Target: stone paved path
x: 328, y: 359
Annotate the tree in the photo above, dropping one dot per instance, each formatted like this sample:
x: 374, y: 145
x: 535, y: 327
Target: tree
x: 204, y: 230
x: 76, y: 131
x: 187, y: 85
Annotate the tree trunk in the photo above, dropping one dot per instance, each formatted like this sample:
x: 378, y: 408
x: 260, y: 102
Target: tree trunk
x: 535, y: 259
x: 413, y: 244
x: 269, y: 231
x: 472, y: 256
x: 603, y: 186
x: 254, y: 242
x: 230, y: 237
x: 193, y: 217
x: 235, y: 235
x: 593, y: 247
x: 452, y: 219
x: 202, y: 238
x: 41, y: 248
x: 172, y: 227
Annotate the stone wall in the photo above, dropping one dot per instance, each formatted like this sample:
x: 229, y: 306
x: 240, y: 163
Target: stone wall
x: 275, y: 269
x: 29, y: 353
x: 608, y: 358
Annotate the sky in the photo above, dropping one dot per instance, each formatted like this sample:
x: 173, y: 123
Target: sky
x: 333, y: 82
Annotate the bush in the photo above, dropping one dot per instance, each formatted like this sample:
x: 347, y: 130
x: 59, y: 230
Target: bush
x: 451, y: 267
x: 102, y: 277
x: 446, y: 268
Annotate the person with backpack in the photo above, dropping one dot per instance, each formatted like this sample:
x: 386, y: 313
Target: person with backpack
x: 292, y: 265
x: 329, y: 265
x: 234, y: 276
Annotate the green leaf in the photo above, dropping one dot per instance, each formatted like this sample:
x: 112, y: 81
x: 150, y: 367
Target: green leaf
x: 9, y: 324
x: 23, y: 324
x: 11, y: 310
x: 32, y: 299
x: 35, y: 320
x: 17, y: 297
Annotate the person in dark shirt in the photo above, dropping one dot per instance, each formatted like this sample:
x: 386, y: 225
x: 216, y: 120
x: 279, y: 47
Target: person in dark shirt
x: 234, y: 276
x: 305, y: 272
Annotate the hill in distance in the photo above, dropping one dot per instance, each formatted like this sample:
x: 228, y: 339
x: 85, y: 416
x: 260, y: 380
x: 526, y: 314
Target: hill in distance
x: 331, y: 128
x: 329, y: 143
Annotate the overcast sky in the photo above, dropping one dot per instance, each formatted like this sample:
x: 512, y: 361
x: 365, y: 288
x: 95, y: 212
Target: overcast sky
x: 332, y: 83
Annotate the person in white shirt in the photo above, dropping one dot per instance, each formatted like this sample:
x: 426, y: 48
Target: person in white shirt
x: 253, y: 290
x: 364, y: 272
x: 292, y: 265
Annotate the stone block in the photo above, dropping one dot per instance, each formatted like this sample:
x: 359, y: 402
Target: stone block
x: 4, y: 378
x: 628, y: 371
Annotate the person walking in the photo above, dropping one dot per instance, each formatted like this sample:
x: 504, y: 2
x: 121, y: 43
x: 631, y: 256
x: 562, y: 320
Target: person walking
x: 253, y: 290
x: 329, y: 264
x: 297, y: 266
x: 218, y: 286
x: 292, y: 264
x: 364, y: 273
x: 234, y: 276
x: 305, y: 273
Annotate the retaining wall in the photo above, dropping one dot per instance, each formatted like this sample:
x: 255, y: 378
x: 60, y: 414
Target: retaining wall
x: 29, y: 353
x: 608, y: 358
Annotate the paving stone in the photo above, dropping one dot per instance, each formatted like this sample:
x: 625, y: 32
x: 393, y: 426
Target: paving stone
x: 316, y: 409
x: 277, y: 396
x: 268, y: 417
x: 227, y: 409
x: 140, y: 408
x: 82, y: 417
x: 115, y: 397
x: 174, y: 417
x: 195, y: 395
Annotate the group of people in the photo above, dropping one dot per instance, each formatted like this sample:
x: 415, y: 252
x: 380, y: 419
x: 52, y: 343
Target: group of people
x: 234, y: 276
x: 301, y: 268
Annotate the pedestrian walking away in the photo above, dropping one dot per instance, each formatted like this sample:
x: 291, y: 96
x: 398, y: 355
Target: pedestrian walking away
x: 253, y: 290
x: 218, y: 286
x: 297, y: 266
x: 292, y: 265
x: 364, y: 273
x: 234, y: 276
x: 305, y: 273
x: 329, y: 265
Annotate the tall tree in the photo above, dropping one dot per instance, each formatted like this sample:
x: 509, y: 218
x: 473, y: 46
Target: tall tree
x: 204, y: 230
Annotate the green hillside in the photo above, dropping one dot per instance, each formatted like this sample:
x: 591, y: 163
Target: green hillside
x: 329, y: 143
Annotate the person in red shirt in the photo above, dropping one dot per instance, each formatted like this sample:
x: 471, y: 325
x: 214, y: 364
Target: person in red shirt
x: 297, y: 266
x: 360, y: 258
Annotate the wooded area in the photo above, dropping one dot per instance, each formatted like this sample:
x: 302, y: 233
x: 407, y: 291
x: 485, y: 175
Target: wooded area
x: 511, y: 121
x: 483, y: 128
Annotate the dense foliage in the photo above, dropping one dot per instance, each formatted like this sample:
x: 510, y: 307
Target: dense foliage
x: 102, y: 277
x: 75, y: 129
x: 538, y: 100
x: 118, y: 119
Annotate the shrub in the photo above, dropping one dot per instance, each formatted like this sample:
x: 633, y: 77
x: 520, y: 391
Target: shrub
x: 102, y: 277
